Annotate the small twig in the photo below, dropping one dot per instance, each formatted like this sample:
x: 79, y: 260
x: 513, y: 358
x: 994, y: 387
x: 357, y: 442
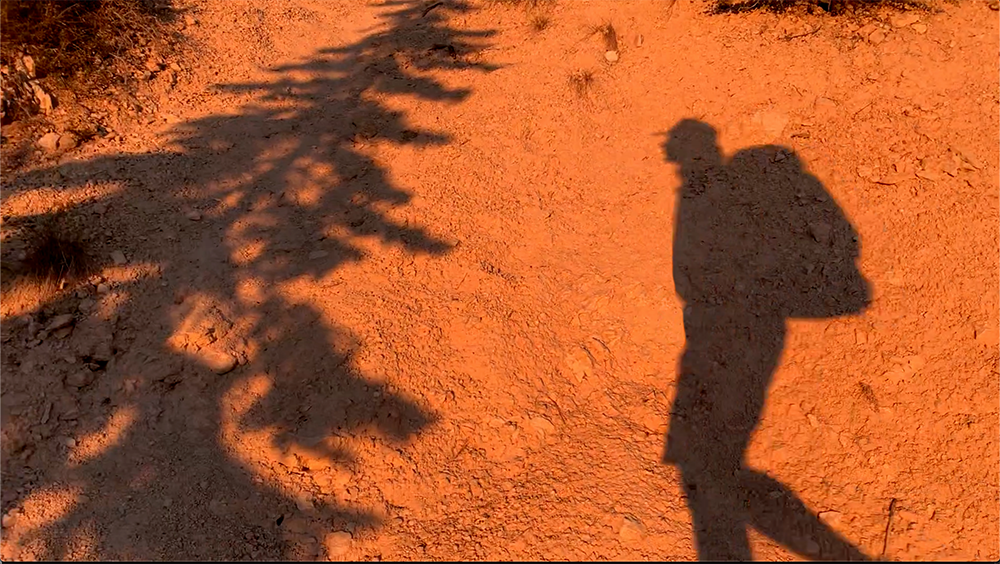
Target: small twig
x: 428, y: 9
x: 798, y: 35
x: 888, y: 524
x: 863, y: 108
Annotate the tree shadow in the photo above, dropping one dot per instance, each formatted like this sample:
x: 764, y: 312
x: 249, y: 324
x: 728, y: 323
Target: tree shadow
x: 214, y: 224
x: 757, y: 241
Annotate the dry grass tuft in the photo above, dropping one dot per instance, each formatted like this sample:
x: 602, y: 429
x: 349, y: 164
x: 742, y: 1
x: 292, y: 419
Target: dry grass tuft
x: 609, y: 35
x: 67, y: 36
x: 832, y: 7
x: 582, y: 81
x: 55, y: 257
x: 539, y: 22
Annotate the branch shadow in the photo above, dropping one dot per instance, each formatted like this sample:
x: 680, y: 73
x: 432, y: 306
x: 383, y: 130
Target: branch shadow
x: 203, y: 349
x: 757, y: 241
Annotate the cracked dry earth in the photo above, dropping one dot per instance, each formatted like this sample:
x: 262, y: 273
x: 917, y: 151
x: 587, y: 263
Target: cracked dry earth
x: 408, y: 280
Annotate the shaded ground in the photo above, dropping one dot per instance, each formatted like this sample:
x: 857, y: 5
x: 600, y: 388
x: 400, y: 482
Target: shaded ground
x: 396, y: 281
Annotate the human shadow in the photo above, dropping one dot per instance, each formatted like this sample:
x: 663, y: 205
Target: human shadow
x: 244, y: 462
x: 757, y: 241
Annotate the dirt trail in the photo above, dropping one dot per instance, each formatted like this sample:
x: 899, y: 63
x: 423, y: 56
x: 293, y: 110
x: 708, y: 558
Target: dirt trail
x: 406, y: 282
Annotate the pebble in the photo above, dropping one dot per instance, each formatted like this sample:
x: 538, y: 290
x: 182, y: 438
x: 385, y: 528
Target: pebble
x: 919, y: 28
x: 831, y: 518
x: 877, y: 36
x: 543, y: 425
x: 904, y: 20
x: 631, y: 531
x: 103, y: 288
x: 611, y: 56
x: 194, y: 215
x: 70, y: 442
x: 67, y: 141
x: 812, y: 547
x: 820, y: 231
x: 45, y: 102
x: 49, y: 142
x: 995, y: 5
x: 318, y: 254
x: 60, y: 321
x: 29, y: 65
x: 7, y: 520
x: 80, y: 378
x: 338, y: 543
x: 638, y: 40
x: 63, y: 333
x: 303, y: 503
x: 218, y: 361
x: 119, y: 258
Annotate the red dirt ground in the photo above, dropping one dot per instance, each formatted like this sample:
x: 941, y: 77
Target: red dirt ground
x: 492, y: 294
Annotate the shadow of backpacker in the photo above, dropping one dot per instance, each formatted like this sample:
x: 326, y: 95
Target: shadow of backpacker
x: 757, y: 241
x: 172, y: 457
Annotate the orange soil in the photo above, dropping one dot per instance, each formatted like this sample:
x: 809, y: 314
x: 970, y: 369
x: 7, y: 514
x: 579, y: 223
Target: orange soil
x: 474, y: 273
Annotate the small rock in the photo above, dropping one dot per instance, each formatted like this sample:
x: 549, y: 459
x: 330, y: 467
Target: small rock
x: 813, y: 420
x: 190, y: 20
x: 338, y: 543
x: 877, y: 36
x: 44, y: 99
x: 988, y: 335
x: 62, y: 333
x: 175, y: 67
x: 103, y: 288
x: 638, y: 40
x: 812, y: 547
x: 119, y: 258
x: 8, y: 520
x: 49, y: 142
x: 152, y: 66
x: 80, y: 378
x: 86, y: 305
x: 218, y: 361
x: 318, y: 254
x: 867, y: 30
x: 831, y: 518
x: 632, y: 531
x: 543, y: 425
x: 995, y: 5
x: 611, y: 56
x: 70, y: 442
x: 60, y: 322
x: 29, y: 65
x: 67, y: 141
x: 919, y: 28
x: 820, y: 231
x: 304, y: 503
x: 194, y: 215
x: 904, y: 20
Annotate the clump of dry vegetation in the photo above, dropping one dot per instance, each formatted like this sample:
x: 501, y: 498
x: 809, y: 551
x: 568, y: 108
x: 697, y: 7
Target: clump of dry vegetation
x: 88, y: 41
x: 581, y: 81
x: 833, y: 7
x: 73, y: 35
x: 539, y: 22
x: 42, y: 260
x: 608, y: 35
x: 52, y: 247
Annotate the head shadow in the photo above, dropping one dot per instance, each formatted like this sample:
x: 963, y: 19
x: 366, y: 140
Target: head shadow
x: 757, y: 241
